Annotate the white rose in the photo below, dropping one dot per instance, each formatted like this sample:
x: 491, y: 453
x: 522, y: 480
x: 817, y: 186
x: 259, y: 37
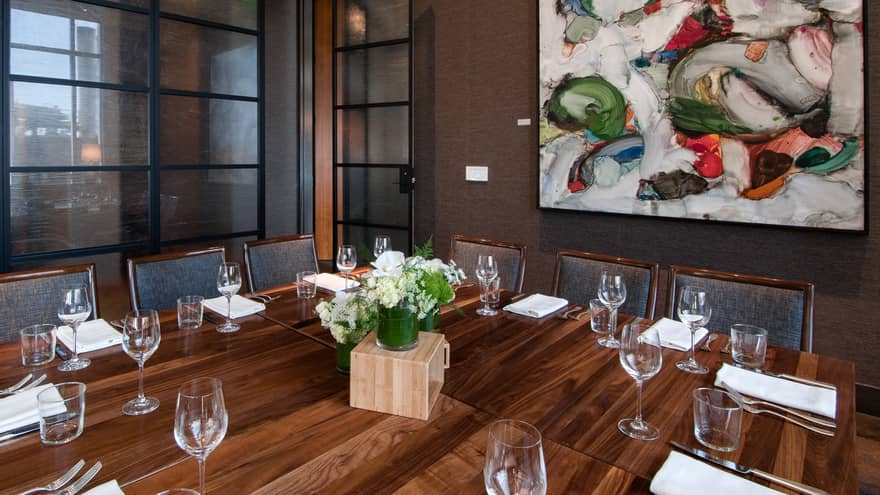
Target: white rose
x: 389, y: 263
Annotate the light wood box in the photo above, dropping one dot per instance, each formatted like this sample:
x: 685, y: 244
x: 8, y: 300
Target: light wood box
x: 405, y: 383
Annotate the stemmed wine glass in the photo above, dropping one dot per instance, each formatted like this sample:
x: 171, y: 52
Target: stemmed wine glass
x: 346, y: 260
x: 380, y: 245
x: 612, y: 293
x: 694, y: 309
x: 514, y: 460
x: 641, y: 357
x: 141, y: 335
x: 200, y: 420
x: 75, y: 308
x: 487, y: 271
x: 229, y: 283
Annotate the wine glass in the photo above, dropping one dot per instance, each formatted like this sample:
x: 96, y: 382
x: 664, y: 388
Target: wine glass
x: 641, y: 357
x: 228, y: 283
x: 140, y: 339
x: 612, y: 293
x: 694, y: 309
x: 346, y: 260
x: 487, y: 272
x: 75, y: 309
x: 200, y: 420
x: 380, y: 245
x: 514, y: 460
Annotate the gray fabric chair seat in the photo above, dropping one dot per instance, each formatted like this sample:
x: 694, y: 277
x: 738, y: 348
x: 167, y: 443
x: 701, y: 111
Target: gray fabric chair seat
x: 273, y: 262
x: 155, y: 282
x: 511, y: 259
x: 32, y: 298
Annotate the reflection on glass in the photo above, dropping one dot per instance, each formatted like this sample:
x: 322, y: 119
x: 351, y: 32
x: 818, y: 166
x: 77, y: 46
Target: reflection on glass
x: 63, y: 125
x: 373, y: 135
x: 362, y: 238
x: 198, y: 58
x: 207, y: 131
x: 375, y: 75
x: 207, y: 202
x: 372, y: 195
x: 71, y: 210
x: 241, y: 13
x: 72, y: 40
x: 368, y: 21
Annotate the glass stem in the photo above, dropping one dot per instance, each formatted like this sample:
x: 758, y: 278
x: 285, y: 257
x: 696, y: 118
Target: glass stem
x: 229, y: 309
x: 201, y: 476
x: 74, y: 327
x: 638, y: 420
x: 693, y: 354
x: 612, y: 324
x: 140, y: 381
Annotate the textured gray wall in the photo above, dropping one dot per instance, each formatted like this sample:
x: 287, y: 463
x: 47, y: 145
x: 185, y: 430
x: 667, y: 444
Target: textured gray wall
x: 475, y: 74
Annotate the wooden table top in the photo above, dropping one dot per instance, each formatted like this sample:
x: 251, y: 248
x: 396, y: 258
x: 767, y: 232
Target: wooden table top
x: 291, y: 429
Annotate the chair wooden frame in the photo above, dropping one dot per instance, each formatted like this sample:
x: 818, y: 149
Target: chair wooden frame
x: 274, y: 240
x: 653, y: 267
x: 523, y: 250
x: 779, y: 283
x: 133, y: 263
x: 55, y: 272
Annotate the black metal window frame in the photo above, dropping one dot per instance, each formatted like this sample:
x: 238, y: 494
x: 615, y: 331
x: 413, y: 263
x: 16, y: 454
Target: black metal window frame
x: 153, y: 167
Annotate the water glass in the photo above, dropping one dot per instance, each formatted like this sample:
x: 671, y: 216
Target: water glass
x: 62, y: 410
x: 490, y: 295
x: 514, y: 460
x: 37, y: 344
x: 748, y: 345
x: 200, y: 420
x: 600, y: 319
x: 717, y: 419
x: 190, y: 312
x: 305, y: 285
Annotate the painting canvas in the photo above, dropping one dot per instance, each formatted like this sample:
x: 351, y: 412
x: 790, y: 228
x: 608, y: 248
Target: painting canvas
x: 731, y: 110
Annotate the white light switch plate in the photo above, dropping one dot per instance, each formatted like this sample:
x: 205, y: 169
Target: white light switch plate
x: 476, y: 174
x: 524, y: 122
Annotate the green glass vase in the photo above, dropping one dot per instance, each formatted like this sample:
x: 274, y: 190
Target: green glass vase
x: 343, y: 357
x: 398, y: 329
x: 430, y: 322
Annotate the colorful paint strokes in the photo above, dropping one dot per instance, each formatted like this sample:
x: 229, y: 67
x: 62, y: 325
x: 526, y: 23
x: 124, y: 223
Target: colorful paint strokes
x: 732, y: 110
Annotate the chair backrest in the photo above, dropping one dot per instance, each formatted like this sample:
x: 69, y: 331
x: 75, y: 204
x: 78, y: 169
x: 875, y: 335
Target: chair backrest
x: 155, y: 282
x: 783, y: 307
x: 33, y: 297
x: 274, y: 262
x: 511, y: 259
x: 578, y: 273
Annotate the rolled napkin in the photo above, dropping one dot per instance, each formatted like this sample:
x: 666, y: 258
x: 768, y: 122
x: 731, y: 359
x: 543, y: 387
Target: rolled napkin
x: 333, y: 283
x: 676, y: 335
x: 240, y: 306
x: 536, y: 305
x: 20, y: 409
x: 780, y: 391
x: 684, y: 475
x: 109, y: 488
x: 91, y: 336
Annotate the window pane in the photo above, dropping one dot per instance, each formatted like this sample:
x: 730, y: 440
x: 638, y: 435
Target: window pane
x: 234, y: 248
x: 207, y: 202
x: 368, y: 21
x: 208, y: 131
x: 64, y: 125
x: 374, y: 75
x: 111, y: 45
x: 197, y: 58
x: 372, y: 195
x: 242, y: 13
x: 374, y: 135
x: 362, y: 238
x: 69, y: 210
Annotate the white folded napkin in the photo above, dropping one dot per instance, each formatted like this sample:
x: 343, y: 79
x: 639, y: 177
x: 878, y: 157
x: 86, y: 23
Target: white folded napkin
x: 779, y: 390
x: 684, y: 475
x: 108, y: 488
x: 333, y: 283
x: 676, y: 335
x: 90, y: 336
x: 20, y: 409
x: 536, y: 305
x: 240, y: 306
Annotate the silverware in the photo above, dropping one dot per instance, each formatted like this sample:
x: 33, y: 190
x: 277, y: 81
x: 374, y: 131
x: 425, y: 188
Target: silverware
x: 786, y: 376
x: 579, y: 315
x: 20, y: 431
x: 757, y: 402
x: 726, y: 348
x: 262, y: 298
x: 40, y: 379
x: 463, y: 286
x: 60, y: 482
x: 739, y: 468
x: 9, y: 390
x: 707, y: 343
x: 82, y: 482
x: 569, y: 310
x: 118, y: 324
x: 518, y: 297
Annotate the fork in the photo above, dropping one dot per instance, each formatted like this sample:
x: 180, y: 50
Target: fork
x: 29, y: 386
x: 82, y: 482
x: 18, y: 385
x: 706, y: 345
x: 756, y: 410
x: 757, y: 402
x: 60, y: 482
x: 569, y: 310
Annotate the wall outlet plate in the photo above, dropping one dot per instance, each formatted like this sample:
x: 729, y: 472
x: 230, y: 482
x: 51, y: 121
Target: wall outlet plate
x: 476, y: 174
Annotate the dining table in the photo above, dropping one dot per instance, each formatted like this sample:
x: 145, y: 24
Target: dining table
x: 291, y: 429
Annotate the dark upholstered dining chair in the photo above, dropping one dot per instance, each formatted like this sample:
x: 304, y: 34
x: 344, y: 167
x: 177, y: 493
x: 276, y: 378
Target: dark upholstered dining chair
x: 783, y: 307
x: 155, y: 282
x: 33, y: 297
x: 276, y: 261
x: 578, y: 273
x: 511, y: 259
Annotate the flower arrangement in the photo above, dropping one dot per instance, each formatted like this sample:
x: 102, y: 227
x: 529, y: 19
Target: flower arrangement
x: 349, y: 316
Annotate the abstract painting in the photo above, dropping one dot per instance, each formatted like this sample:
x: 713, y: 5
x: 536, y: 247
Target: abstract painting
x: 731, y: 110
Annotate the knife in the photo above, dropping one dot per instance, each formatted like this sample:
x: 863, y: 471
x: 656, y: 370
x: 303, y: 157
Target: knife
x: 786, y: 376
x: 739, y: 468
x: 21, y: 430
